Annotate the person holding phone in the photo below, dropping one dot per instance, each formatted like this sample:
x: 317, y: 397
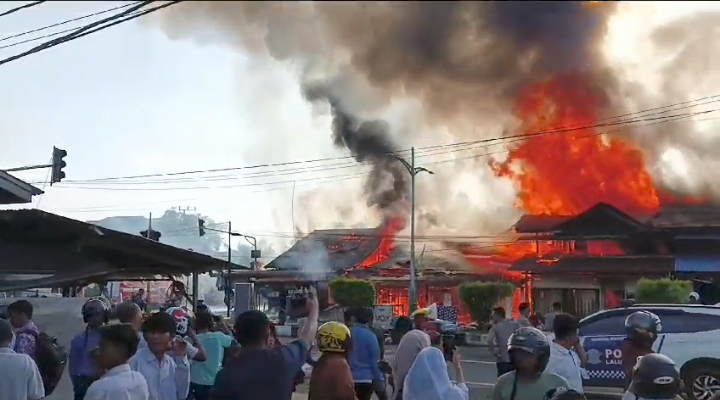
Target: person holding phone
x: 259, y: 372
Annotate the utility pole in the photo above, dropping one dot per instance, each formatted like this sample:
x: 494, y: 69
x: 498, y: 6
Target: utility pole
x: 150, y: 233
x: 227, y: 280
x: 254, y: 253
x: 413, y: 171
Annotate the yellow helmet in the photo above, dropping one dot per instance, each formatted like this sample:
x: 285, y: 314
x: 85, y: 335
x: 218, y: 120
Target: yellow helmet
x: 333, y: 337
x: 420, y: 311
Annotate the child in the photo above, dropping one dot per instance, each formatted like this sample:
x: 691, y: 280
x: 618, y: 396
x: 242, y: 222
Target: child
x: 167, y: 376
x: 82, y: 366
x: 117, y: 344
x: 202, y: 374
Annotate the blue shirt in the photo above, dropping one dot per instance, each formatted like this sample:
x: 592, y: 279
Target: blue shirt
x: 214, y: 343
x: 166, y: 379
x: 267, y: 374
x: 80, y: 360
x: 365, y: 355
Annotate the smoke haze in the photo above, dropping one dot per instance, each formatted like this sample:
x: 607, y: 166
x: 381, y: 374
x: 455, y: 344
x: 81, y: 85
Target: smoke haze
x: 394, y: 75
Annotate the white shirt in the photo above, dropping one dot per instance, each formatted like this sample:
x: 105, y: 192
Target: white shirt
x: 166, y: 379
x: 120, y: 383
x: 19, y: 377
x: 566, y: 363
x: 190, y: 349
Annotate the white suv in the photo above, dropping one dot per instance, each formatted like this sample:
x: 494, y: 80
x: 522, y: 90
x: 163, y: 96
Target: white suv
x: 690, y: 335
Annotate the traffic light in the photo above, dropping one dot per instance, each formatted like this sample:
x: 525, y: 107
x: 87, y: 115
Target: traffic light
x: 153, y: 235
x: 201, y: 227
x: 58, y: 164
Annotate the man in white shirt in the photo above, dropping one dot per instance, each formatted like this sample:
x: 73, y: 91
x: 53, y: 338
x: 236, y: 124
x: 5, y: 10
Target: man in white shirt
x: 567, y: 356
x: 117, y: 344
x: 167, y: 376
x: 19, y: 375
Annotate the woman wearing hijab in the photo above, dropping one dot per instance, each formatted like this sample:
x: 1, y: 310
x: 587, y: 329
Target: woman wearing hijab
x: 410, y: 346
x: 428, y: 378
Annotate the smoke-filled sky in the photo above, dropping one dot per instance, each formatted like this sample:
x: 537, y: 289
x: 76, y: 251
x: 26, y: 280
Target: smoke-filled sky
x: 206, y: 85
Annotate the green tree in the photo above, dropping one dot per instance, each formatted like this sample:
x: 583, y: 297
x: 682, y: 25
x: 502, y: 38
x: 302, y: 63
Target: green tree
x: 664, y: 290
x: 353, y: 292
x: 480, y: 298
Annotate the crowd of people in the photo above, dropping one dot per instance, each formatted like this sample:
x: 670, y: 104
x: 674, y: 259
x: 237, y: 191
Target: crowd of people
x: 177, y: 355
x: 531, y: 364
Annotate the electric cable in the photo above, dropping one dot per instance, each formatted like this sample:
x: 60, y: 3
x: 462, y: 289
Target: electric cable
x: 651, y: 121
x: 92, y: 28
x: 23, y: 7
x: 95, y: 14
x: 437, y: 149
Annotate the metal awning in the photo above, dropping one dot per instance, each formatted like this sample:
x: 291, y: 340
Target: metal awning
x: 697, y: 264
x: 16, y: 191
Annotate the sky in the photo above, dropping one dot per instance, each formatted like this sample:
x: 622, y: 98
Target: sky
x: 131, y: 101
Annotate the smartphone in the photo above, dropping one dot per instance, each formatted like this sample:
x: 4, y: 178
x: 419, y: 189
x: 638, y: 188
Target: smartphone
x: 448, y: 346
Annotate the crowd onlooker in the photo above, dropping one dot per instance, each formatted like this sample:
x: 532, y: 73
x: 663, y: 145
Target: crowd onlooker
x: 428, y: 378
x: 118, y: 343
x: 498, y: 336
x: 410, y: 346
x: 258, y: 372
x: 19, y: 375
x: 567, y: 356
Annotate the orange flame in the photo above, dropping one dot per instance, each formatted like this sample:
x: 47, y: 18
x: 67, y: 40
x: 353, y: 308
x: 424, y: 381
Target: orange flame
x: 571, y: 170
x: 392, y: 227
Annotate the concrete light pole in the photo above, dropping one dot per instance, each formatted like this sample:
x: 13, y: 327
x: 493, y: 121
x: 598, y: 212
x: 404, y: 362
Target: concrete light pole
x: 413, y: 171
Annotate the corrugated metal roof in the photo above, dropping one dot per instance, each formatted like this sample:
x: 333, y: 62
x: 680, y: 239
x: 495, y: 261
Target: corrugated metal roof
x: 329, y: 250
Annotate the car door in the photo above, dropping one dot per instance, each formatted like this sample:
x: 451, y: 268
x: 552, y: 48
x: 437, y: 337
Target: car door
x: 601, y: 335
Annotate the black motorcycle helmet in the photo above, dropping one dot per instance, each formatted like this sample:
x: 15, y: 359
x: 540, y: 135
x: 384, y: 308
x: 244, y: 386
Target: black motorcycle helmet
x: 642, y: 327
x: 655, y: 377
x: 530, y: 340
x: 95, y: 306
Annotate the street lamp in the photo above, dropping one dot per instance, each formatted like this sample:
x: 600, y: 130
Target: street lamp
x: 412, y: 170
x: 254, y: 253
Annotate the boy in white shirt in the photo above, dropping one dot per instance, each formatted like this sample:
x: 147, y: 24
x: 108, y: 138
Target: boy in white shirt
x: 167, y: 376
x: 19, y: 375
x: 117, y: 344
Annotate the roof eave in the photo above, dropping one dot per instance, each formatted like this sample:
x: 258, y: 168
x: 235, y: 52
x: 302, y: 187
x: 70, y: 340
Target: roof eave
x: 18, y: 188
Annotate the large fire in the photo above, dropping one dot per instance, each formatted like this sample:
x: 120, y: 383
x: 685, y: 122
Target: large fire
x: 567, y: 172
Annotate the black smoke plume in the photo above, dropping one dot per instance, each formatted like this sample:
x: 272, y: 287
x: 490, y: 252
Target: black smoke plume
x: 370, y: 143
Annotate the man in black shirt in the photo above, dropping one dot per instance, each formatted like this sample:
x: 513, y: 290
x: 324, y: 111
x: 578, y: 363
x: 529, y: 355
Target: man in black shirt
x: 258, y: 372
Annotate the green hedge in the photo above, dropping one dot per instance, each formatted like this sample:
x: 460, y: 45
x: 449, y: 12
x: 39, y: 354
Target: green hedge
x: 480, y: 298
x: 662, y: 291
x: 348, y: 292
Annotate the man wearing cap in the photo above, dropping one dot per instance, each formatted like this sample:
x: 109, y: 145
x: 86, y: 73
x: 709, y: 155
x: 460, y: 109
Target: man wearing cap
x: 19, y: 375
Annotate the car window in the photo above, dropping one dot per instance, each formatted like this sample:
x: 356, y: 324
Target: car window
x: 689, y: 323
x: 612, y: 324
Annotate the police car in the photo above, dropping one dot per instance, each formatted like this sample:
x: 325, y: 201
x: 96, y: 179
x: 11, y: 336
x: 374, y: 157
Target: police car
x: 690, y: 335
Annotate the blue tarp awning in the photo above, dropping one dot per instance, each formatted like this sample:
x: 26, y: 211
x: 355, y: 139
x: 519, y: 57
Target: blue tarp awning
x: 697, y: 264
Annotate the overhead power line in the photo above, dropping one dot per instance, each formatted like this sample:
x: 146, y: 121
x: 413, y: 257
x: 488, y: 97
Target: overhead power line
x: 91, y: 185
x: 127, y: 15
x: 95, y: 14
x: 23, y: 7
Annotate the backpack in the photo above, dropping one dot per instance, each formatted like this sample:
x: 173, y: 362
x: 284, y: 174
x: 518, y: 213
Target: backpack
x: 50, y: 358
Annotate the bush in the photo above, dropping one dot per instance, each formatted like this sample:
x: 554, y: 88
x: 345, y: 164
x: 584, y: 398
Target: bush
x: 480, y: 298
x: 353, y: 292
x: 662, y: 291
